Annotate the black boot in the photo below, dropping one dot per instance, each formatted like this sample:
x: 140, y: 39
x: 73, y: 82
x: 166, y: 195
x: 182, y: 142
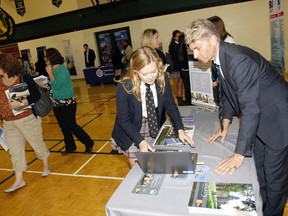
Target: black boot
x: 180, y: 101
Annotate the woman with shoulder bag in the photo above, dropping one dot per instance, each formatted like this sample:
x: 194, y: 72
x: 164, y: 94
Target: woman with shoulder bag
x: 23, y: 126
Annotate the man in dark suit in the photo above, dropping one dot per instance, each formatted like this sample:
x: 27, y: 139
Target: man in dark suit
x: 254, y: 90
x: 89, y: 56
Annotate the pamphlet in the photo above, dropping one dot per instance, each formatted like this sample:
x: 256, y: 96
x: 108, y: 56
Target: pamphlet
x: 149, y: 184
x: 42, y: 79
x: 18, y: 92
x: 3, y: 141
x: 222, y: 199
x: 167, y: 136
x: 187, y: 119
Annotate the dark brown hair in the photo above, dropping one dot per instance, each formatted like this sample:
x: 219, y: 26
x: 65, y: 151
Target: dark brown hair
x: 10, y: 65
x: 54, y: 56
x: 220, y: 27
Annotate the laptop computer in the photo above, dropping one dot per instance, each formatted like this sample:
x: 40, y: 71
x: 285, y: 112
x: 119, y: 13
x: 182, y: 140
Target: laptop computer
x: 167, y: 162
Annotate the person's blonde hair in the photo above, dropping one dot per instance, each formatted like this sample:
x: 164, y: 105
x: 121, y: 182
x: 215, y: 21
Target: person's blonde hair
x: 200, y: 29
x: 139, y: 59
x: 147, y: 37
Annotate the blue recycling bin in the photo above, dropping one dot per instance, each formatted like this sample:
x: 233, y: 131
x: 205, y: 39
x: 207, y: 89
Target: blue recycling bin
x: 98, y: 75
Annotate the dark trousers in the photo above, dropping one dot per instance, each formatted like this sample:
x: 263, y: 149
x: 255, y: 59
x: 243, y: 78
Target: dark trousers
x: 272, y: 171
x: 66, y: 117
x: 187, y: 88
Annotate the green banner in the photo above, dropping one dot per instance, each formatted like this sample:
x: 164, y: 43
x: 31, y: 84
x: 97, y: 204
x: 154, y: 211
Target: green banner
x: 57, y: 3
x: 20, y: 7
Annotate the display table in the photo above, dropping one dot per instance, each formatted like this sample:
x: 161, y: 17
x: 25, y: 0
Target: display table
x: 98, y: 75
x: 174, y: 194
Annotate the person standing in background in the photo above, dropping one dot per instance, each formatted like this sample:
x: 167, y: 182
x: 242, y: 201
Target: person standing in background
x: 226, y: 37
x: 150, y: 37
x: 64, y: 102
x: 26, y: 65
x: 116, y: 57
x: 40, y: 65
x: 256, y: 92
x: 89, y: 56
x: 127, y: 51
x: 176, y: 67
x: 25, y: 126
x: 184, y: 73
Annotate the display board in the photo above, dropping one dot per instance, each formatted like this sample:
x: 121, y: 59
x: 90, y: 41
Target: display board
x: 201, y: 83
x: 104, y: 40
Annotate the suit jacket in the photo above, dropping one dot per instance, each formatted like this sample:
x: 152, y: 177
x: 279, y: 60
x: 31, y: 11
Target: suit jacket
x: 129, y: 114
x: 256, y: 91
x: 91, y: 58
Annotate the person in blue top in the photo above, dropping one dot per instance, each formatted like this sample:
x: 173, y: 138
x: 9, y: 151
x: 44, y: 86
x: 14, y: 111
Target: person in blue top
x: 64, y: 102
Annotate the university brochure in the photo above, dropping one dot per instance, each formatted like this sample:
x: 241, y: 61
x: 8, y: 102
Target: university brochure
x: 167, y: 136
x: 18, y: 92
x: 222, y: 199
x: 149, y: 184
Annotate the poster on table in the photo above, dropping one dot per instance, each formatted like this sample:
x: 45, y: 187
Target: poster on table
x: 276, y: 9
x: 201, y: 84
x: 69, y: 58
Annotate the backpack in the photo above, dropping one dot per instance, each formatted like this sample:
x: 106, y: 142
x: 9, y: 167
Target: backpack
x: 44, y: 105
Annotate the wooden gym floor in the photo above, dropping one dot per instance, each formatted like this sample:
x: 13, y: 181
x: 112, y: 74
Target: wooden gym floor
x: 80, y: 184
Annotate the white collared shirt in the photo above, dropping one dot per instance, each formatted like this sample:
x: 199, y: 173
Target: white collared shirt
x: 143, y: 97
x: 87, y: 55
x: 218, y: 63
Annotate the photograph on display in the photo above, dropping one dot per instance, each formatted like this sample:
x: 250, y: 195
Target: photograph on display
x: 167, y: 136
x: 222, y: 198
x: 149, y: 184
x: 201, y: 83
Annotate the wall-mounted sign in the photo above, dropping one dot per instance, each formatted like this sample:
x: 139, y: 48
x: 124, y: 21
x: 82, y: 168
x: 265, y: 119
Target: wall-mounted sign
x: 276, y: 8
x: 20, y: 7
x: 57, y: 3
x: 7, y: 26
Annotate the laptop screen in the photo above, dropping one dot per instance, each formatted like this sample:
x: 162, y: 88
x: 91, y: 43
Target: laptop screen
x: 166, y: 162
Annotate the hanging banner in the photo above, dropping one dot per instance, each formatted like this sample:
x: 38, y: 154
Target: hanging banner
x: 277, y: 34
x: 20, y: 7
x: 7, y: 26
x: 57, y: 3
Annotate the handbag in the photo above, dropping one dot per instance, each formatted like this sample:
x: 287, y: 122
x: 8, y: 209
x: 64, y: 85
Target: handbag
x: 44, y: 105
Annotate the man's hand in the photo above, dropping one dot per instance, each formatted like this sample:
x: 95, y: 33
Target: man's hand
x: 220, y: 133
x: 230, y: 164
